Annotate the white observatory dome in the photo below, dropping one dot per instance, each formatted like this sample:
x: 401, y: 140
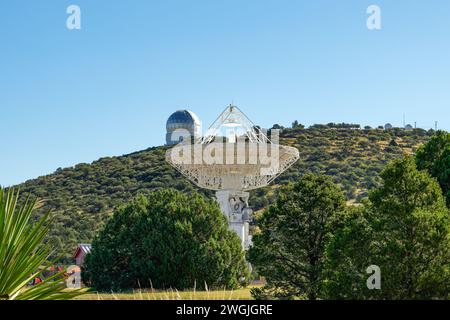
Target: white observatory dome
x: 182, y: 124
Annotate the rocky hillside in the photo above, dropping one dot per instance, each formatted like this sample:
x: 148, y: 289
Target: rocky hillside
x: 82, y: 197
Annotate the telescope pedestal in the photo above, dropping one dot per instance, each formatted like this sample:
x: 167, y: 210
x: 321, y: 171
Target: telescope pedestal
x: 234, y: 205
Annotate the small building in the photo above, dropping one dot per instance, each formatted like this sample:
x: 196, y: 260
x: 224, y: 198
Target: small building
x: 82, y: 250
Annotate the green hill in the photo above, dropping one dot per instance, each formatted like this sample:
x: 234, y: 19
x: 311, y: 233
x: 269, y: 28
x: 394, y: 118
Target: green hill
x: 82, y: 197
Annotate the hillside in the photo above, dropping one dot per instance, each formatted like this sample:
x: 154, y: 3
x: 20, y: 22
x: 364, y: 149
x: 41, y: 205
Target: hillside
x: 82, y: 197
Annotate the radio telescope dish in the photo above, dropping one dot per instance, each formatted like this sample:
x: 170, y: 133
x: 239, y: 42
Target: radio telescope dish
x: 234, y: 156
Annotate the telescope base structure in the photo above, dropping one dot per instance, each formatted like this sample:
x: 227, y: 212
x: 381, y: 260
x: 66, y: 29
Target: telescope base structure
x: 234, y: 205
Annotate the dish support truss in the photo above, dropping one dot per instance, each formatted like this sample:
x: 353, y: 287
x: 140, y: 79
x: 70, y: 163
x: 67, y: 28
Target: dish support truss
x: 233, y: 116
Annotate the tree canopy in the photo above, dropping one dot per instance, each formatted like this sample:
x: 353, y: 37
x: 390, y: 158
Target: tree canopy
x: 289, y: 250
x: 434, y: 157
x: 404, y: 229
x: 83, y: 197
x: 166, y: 240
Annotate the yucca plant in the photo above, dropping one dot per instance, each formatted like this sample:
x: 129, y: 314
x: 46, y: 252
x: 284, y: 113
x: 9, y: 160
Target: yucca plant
x: 23, y: 254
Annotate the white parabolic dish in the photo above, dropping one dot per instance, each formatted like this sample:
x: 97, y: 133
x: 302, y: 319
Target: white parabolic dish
x: 241, y: 159
x: 232, y: 166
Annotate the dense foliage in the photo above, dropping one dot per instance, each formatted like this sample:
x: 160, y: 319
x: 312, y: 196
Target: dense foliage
x: 166, y: 240
x: 83, y: 197
x: 405, y: 230
x: 290, y: 249
x: 309, y: 246
x: 434, y: 157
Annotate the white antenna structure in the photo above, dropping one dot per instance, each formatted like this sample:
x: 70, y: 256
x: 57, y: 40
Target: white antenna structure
x: 242, y: 159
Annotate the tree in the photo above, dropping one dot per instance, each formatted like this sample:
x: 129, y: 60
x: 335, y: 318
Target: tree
x: 404, y: 230
x: 276, y: 126
x: 289, y: 250
x: 298, y: 125
x: 23, y: 255
x: 434, y: 157
x: 168, y: 239
x: 82, y: 197
x: 393, y: 143
x: 348, y: 254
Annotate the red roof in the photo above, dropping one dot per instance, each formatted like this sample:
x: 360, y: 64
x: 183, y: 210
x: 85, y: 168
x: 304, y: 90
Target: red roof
x: 83, y: 248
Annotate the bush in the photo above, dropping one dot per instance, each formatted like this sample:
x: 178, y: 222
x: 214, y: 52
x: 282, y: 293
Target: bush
x: 404, y: 229
x: 289, y: 250
x: 168, y: 239
x: 23, y: 253
x: 435, y: 158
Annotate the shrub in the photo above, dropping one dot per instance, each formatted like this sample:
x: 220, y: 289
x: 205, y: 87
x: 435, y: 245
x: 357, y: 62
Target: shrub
x: 168, y: 239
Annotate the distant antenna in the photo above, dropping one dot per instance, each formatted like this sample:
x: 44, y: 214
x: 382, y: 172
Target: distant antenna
x: 404, y: 120
x: 435, y: 125
x: 415, y: 124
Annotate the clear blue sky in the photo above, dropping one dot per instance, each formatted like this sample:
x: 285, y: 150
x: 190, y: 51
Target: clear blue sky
x: 107, y: 89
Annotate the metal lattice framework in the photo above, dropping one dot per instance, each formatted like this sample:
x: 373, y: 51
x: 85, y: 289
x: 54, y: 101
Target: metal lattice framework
x: 232, y: 116
x: 243, y: 159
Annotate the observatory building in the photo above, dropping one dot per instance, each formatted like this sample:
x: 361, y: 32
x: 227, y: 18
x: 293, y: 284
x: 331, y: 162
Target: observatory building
x: 182, y: 124
x: 233, y: 158
x: 409, y: 127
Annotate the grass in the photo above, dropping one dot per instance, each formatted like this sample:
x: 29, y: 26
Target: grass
x: 150, y: 294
